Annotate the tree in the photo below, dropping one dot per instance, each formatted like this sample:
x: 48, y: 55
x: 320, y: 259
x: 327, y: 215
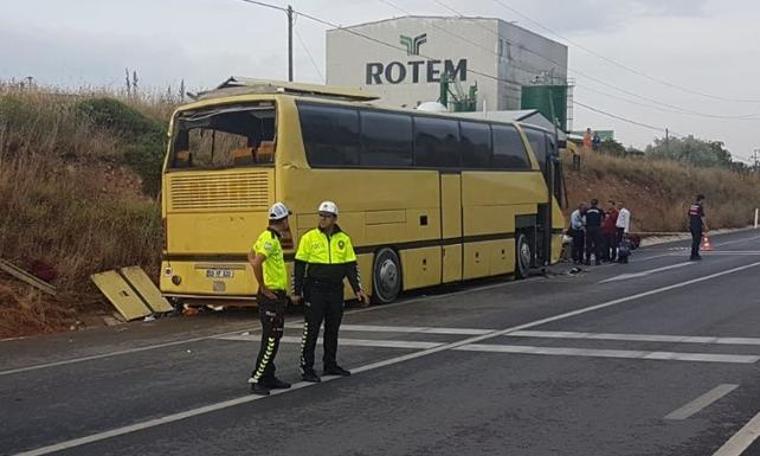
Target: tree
x: 692, y: 150
x: 611, y: 147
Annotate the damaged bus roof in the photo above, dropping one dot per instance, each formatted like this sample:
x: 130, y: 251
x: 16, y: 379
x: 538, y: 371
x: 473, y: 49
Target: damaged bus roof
x: 237, y: 85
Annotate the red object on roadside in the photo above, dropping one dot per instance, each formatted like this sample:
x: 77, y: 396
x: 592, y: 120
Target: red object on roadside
x: 43, y: 271
x: 706, y: 246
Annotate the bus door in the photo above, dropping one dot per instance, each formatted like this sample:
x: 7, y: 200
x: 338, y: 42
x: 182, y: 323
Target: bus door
x: 451, y: 227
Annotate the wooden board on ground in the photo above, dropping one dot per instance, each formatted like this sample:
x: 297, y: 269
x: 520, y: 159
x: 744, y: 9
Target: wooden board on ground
x: 146, y: 289
x: 122, y: 296
x: 24, y: 276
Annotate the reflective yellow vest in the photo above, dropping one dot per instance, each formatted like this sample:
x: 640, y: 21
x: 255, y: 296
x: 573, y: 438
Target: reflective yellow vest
x: 268, y: 245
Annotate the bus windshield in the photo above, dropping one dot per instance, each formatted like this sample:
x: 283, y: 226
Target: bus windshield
x: 224, y: 137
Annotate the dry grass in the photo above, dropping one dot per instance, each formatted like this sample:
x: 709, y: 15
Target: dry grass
x: 658, y: 192
x: 68, y: 200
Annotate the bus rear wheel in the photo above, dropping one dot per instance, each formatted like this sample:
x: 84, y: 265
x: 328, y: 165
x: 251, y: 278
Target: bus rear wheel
x: 523, y: 256
x: 386, y: 276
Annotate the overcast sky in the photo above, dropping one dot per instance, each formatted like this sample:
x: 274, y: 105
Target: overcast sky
x: 706, y: 46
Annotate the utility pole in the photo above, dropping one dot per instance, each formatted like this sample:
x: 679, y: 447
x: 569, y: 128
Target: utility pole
x: 290, y: 43
x: 756, y: 160
x: 667, y: 141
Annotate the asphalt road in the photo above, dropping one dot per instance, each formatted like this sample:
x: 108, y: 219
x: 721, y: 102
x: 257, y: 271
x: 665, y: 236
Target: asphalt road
x: 657, y: 357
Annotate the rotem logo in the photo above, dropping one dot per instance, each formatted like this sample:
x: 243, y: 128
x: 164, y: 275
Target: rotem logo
x: 398, y: 72
x: 413, y: 44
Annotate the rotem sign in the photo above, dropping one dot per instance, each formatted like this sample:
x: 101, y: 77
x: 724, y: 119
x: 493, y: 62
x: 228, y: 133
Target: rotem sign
x: 417, y: 70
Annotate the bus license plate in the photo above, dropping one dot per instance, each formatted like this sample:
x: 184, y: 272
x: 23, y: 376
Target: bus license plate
x: 219, y: 273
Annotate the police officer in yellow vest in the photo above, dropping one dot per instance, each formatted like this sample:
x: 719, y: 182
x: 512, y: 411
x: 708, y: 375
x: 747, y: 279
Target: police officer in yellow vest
x: 268, y: 264
x: 324, y: 258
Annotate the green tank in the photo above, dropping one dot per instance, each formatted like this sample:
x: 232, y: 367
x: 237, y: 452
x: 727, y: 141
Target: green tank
x: 549, y: 100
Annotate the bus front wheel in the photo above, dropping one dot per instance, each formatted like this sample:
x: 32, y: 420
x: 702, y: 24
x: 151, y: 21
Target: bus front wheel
x: 524, y: 256
x: 386, y: 276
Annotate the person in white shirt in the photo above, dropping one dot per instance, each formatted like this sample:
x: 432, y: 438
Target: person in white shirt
x: 623, y: 224
x: 577, y: 227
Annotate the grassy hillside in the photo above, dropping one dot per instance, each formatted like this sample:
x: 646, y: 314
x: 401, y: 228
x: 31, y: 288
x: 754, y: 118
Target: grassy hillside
x: 79, y: 174
x: 658, y: 192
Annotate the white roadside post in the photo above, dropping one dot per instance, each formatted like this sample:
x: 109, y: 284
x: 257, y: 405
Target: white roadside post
x: 757, y: 212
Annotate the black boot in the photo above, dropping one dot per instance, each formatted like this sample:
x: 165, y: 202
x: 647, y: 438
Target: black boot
x: 310, y: 376
x: 260, y: 389
x: 336, y: 370
x: 276, y: 383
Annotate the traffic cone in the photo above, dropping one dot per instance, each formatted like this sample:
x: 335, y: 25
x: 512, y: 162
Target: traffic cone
x: 706, y: 246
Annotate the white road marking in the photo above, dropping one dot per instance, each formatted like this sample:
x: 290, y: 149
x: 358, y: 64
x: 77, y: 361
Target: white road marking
x: 599, y: 353
x: 731, y: 253
x: 639, y: 337
x: 213, y: 336
x: 350, y: 312
x: 636, y: 275
x: 368, y: 367
x: 409, y: 329
x: 736, y: 241
x: 740, y: 441
x: 110, y: 354
x: 344, y: 341
x: 701, y: 402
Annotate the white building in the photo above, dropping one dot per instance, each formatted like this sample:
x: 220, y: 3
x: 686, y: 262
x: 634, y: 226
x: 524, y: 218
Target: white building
x: 409, y: 54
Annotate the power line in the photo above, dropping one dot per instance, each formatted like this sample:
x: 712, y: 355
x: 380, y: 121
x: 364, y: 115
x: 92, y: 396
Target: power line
x: 655, y: 106
x: 460, y: 37
x: 606, y: 84
x: 311, y: 57
x: 266, y: 5
x: 622, y: 65
x: 383, y: 43
x: 392, y: 46
x: 615, y: 116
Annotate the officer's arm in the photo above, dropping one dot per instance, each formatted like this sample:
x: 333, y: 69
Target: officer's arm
x: 352, y: 272
x: 299, y: 272
x: 257, y: 260
x: 299, y: 269
x: 352, y: 268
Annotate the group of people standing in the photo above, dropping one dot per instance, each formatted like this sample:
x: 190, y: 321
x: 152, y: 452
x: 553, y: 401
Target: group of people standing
x: 599, y: 233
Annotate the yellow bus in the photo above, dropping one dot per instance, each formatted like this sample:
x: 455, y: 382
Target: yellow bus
x: 427, y: 198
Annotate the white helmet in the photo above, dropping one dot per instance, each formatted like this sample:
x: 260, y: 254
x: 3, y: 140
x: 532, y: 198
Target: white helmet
x: 278, y: 211
x: 328, y: 206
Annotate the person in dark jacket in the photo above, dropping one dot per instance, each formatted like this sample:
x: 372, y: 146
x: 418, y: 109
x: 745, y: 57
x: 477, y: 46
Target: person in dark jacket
x: 697, y: 226
x: 324, y: 258
x: 594, y: 220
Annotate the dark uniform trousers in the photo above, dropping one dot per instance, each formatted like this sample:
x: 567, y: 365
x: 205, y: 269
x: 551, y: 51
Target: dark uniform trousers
x: 324, y: 302
x: 594, y: 240
x: 579, y: 241
x: 696, y: 238
x: 272, y: 316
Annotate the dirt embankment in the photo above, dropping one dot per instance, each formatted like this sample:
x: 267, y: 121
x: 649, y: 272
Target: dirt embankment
x: 658, y: 193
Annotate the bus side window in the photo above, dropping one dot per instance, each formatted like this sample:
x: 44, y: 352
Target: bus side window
x: 330, y: 135
x: 476, y: 145
x: 538, y: 142
x: 508, y: 149
x: 436, y: 143
x: 386, y: 139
